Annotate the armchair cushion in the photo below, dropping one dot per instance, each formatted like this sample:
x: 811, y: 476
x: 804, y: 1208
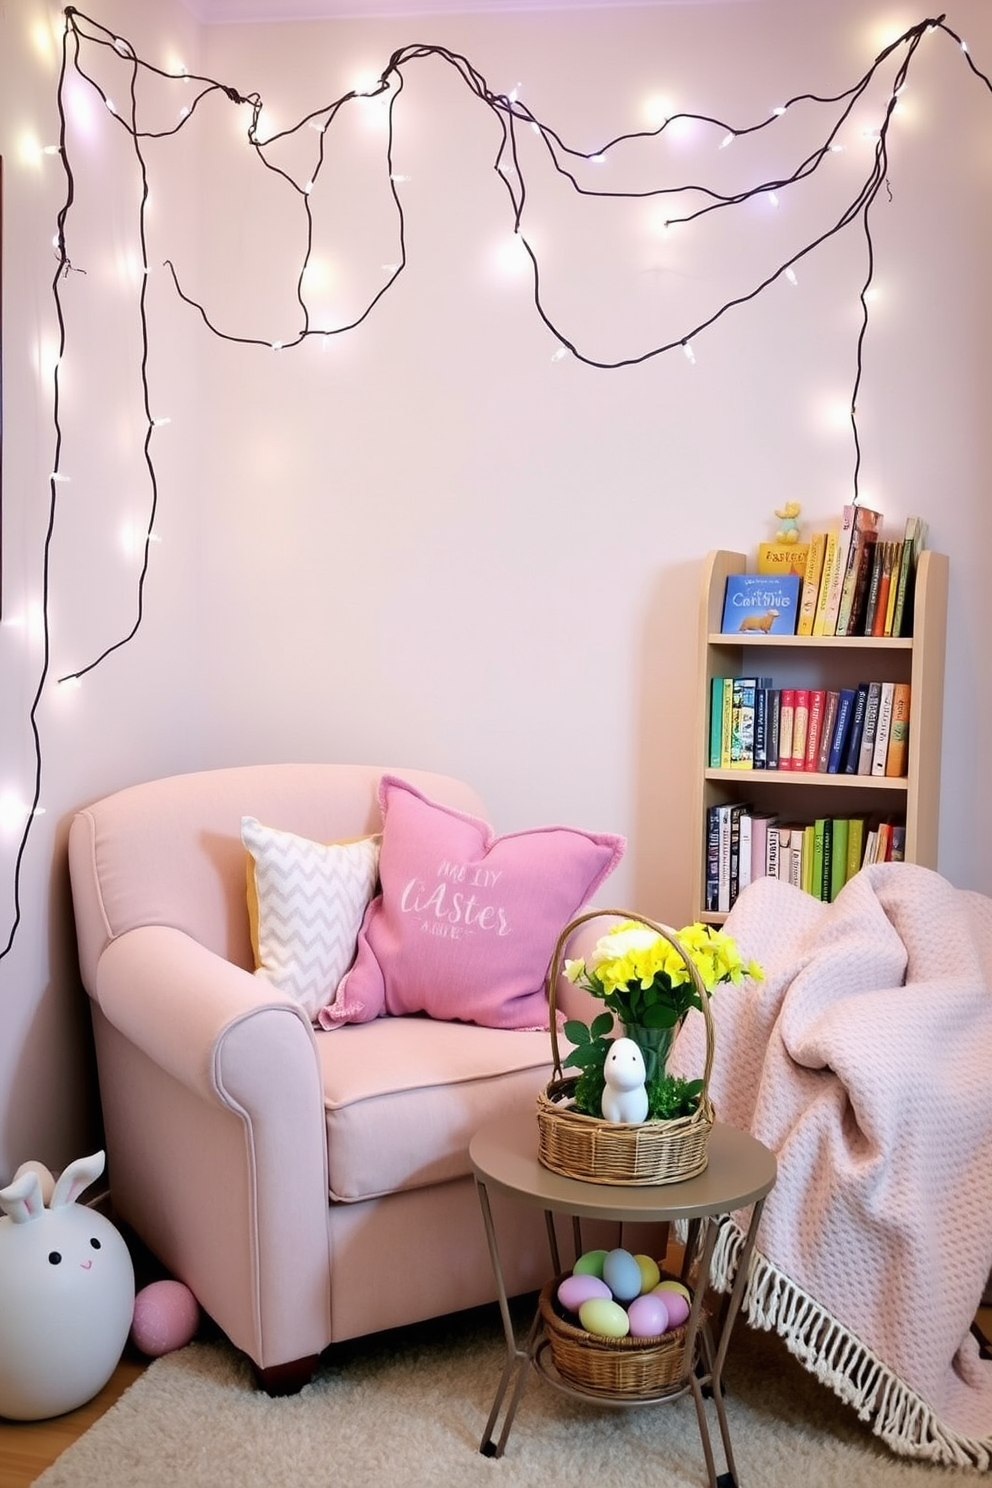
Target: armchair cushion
x: 403, y: 1096
x: 306, y: 901
x: 465, y: 924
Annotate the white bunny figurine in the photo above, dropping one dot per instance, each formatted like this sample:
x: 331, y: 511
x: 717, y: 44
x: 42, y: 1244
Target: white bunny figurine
x: 66, y: 1294
x: 625, y: 1098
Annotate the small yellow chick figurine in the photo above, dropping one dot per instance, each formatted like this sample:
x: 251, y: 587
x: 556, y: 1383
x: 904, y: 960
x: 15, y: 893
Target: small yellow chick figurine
x: 788, y: 515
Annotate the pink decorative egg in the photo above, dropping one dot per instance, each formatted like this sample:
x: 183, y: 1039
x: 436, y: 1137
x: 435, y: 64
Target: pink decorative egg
x: 648, y: 1315
x: 676, y: 1304
x: 575, y: 1290
x: 166, y: 1316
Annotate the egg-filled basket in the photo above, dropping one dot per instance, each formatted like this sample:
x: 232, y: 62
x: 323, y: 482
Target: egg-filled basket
x: 598, y: 1151
x: 634, y: 1367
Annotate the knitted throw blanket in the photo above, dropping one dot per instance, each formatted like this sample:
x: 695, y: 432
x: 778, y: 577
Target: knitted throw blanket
x: 864, y: 1061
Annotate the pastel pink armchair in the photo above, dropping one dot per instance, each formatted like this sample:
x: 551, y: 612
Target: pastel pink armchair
x: 307, y: 1186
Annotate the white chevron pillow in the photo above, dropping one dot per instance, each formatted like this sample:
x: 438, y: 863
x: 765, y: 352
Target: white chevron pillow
x: 306, y: 902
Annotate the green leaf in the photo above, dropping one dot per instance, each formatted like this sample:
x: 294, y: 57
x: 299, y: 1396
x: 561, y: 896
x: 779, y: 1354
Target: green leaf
x: 586, y: 1056
x: 660, y: 1017
x: 578, y: 1033
x: 600, y: 1025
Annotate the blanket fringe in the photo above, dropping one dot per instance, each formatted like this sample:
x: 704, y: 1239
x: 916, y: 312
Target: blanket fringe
x: 838, y: 1359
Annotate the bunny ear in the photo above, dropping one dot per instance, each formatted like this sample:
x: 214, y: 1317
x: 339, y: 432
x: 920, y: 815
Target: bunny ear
x: 22, y: 1200
x: 77, y: 1177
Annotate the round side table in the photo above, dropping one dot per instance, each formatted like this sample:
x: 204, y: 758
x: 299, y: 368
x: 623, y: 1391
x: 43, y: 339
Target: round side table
x: 740, y: 1172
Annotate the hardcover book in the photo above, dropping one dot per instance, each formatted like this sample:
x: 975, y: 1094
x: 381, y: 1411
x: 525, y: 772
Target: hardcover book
x: 864, y: 530
x: 787, y: 711
x: 716, y: 721
x: 841, y: 729
x: 811, y: 584
x: 761, y: 604
x: 830, y: 709
x: 800, y: 728
x: 852, y: 750
x: 897, y: 759
x: 779, y: 558
x: 838, y: 571
x: 838, y: 858
x: 817, y: 711
x: 826, y: 575
x: 761, y: 822
x: 867, y: 750
x: 774, y: 727
x: 882, y: 729
x: 902, y: 624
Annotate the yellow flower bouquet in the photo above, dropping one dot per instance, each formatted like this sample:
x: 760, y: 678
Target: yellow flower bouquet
x: 646, y: 986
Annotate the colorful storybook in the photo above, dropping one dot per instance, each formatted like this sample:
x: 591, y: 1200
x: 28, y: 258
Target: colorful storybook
x: 761, y: 604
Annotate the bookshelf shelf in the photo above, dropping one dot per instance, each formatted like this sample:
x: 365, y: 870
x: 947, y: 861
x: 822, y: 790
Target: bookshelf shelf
x: 827, y: 662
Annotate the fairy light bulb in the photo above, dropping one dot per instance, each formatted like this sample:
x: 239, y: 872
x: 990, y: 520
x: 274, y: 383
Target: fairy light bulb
x: 12, y: 811
x: 790, y: 274
x: 728, y: 139
x: 690, y: 355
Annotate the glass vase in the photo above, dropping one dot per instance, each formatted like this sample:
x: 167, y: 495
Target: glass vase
x: 655, y: 1045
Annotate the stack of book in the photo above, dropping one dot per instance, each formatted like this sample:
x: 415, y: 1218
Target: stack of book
x: 743, y: 844
x: 855, y: 583
x: 755, y: 725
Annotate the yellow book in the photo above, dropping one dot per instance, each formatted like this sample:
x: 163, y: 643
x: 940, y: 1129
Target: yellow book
x: 809, y: 834
x: 829, y: 563
x: 811, y: 583
x: 782, y: 558
x: 727, y: 724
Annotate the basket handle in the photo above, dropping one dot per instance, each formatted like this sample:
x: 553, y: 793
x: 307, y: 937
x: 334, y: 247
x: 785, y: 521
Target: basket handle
x: 671, y: 936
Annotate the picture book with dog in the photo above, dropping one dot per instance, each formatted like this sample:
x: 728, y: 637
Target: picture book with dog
x: 761, y: 604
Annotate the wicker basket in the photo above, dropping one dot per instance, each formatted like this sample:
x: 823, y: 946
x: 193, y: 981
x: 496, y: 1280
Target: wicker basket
x: 630, y: 1367
x: 598, y: 1151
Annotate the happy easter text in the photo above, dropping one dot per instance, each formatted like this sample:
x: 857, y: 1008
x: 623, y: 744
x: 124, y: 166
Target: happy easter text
x: 452, y: 912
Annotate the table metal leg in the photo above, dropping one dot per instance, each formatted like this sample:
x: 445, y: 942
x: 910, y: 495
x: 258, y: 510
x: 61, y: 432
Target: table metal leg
x: 517, y: 1359
x: 714, y: 1381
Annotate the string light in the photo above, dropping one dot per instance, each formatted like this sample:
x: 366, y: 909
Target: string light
x: 510, y: 113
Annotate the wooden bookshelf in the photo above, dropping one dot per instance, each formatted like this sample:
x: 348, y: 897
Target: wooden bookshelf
x: 828, y: 662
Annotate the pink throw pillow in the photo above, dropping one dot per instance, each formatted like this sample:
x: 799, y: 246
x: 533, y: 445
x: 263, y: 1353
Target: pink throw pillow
x: 466, y: 922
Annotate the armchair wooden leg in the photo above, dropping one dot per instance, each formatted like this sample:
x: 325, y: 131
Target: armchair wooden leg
x: 289, y: 1378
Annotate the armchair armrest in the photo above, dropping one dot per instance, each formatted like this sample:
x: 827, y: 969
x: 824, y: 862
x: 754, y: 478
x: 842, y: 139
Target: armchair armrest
x: 216, y: 1133
x: 179, y: 1002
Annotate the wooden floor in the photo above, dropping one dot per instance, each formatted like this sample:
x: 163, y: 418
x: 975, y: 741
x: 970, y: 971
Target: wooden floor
x: 28, y: 1447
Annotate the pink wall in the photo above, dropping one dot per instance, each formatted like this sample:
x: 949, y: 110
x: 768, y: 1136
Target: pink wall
x: 428, y: 541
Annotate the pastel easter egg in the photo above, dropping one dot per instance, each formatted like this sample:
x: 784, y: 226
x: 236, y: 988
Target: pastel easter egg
x: 575, y: 1290
x: 676, y: 1304
x: 590, y: 1264
x: 668, y: 1285
x: 648, y: 1315
x: 622, y: 1275
x: 650, y: 1272
x: 605, y: 1318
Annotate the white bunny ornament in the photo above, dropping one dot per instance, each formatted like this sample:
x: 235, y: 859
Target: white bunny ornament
x: 625, y: 1097
x: 66, y: 1294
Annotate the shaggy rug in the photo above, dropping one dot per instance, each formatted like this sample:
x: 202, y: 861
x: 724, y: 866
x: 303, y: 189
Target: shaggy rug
x: 410, y: 1407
